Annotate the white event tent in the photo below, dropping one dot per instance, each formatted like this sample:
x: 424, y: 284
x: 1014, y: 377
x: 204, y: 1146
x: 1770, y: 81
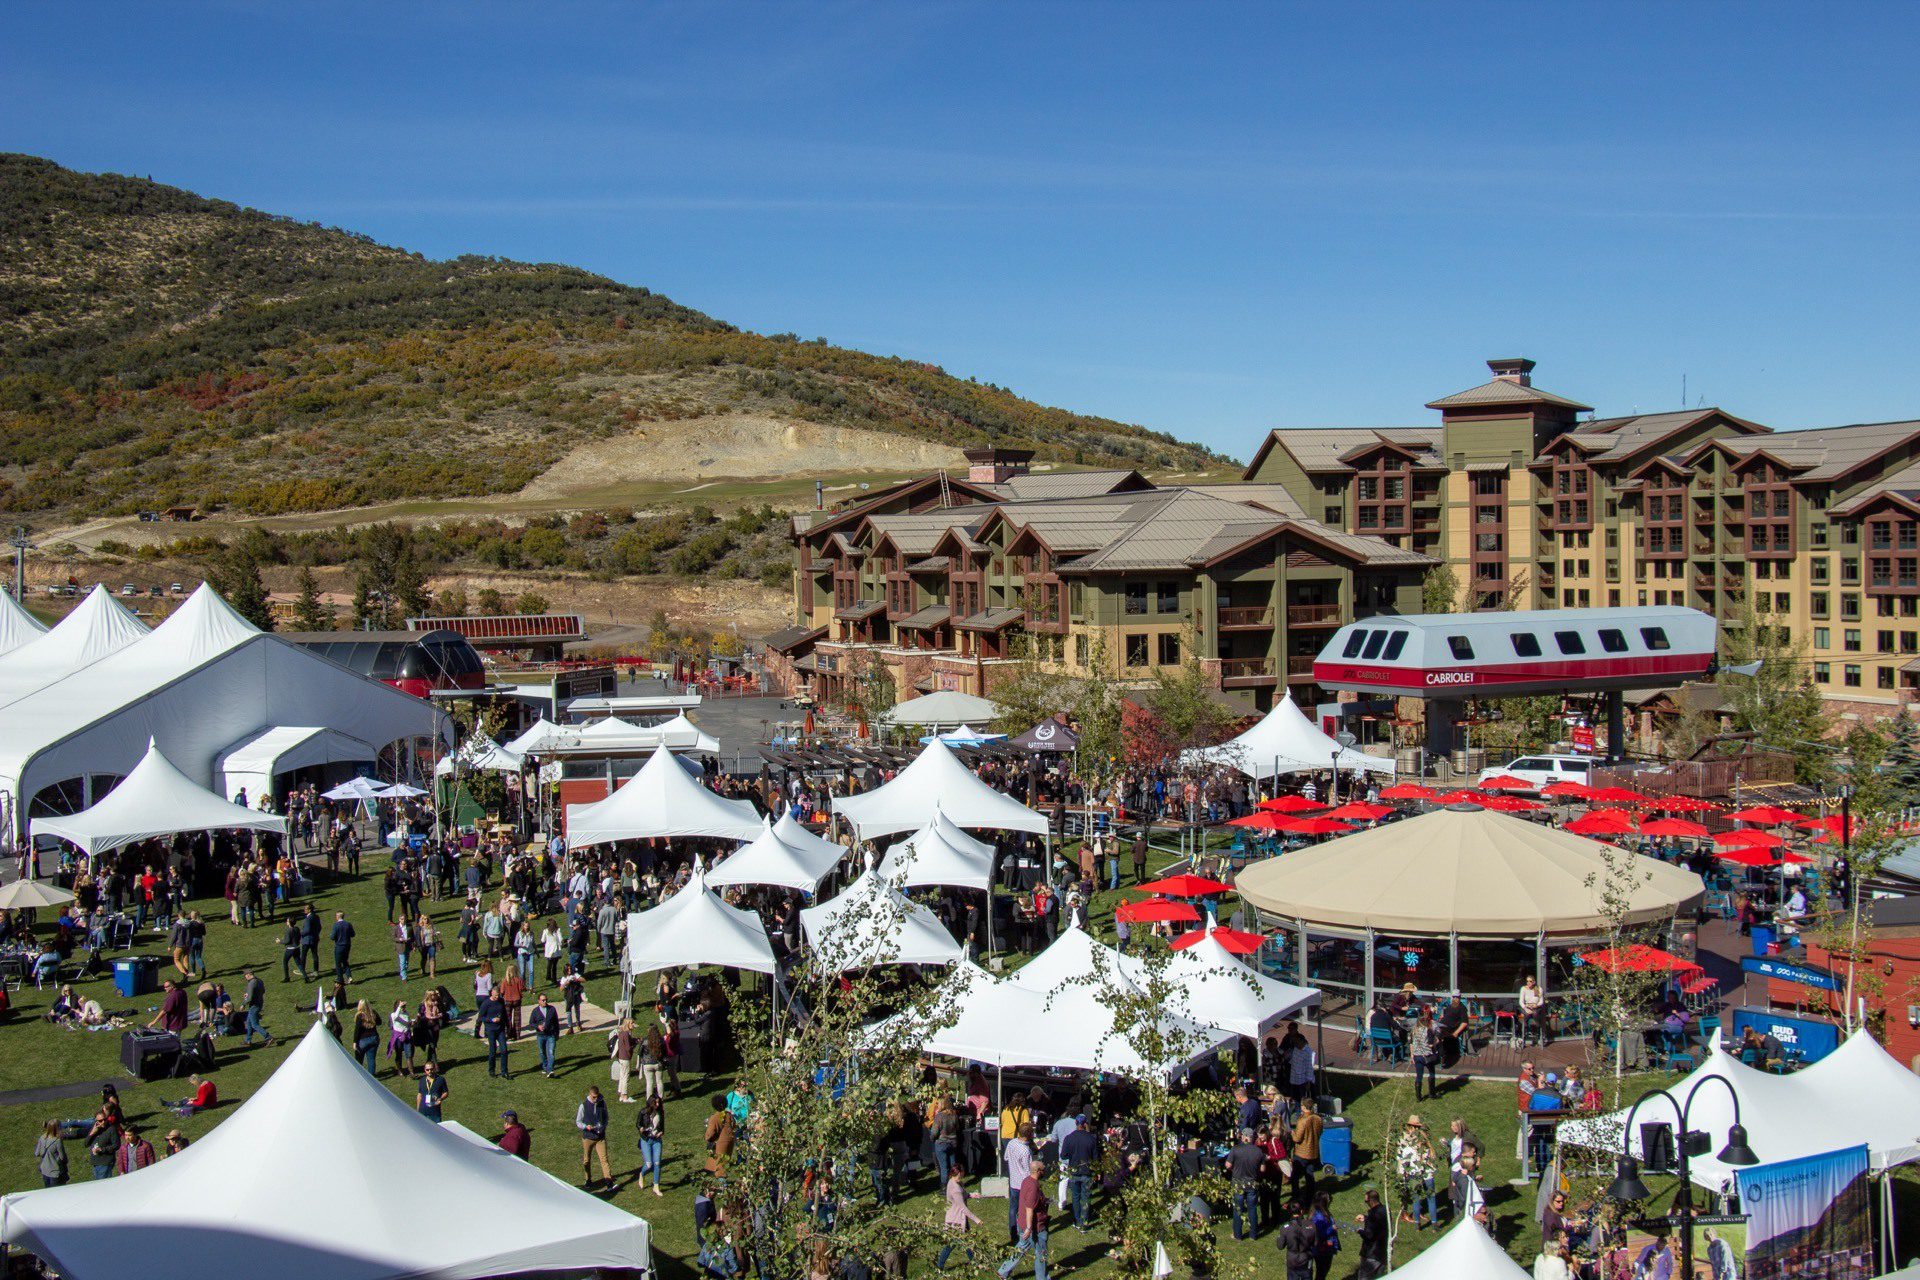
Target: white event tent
x: 1285, y: 741
x: 1856, y: 1094
x: 794, y: 832
x: 936, y: 782
x: 252, y: 764
x: 872, y: 923
x: 201, y: 684
x: 531, y: 740
x: 1222, y: 992
x: 17, y: 626
x: 235, y: 1199
x: 480, y: 755
x: 360, y: 787
x: 660, y: 802
x: 696, y: 927
x: 1075, y: 971
x: 769, y: 859
x: 939, y: 853
x: 1465, y: 1252
x: 156, y: 799
x: 942, y: 709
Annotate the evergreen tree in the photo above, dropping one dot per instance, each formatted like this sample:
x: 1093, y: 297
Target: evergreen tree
x: 236, y: 577
x: 1778, y: 704
x: 310, y: 612
x: 1903, y: 759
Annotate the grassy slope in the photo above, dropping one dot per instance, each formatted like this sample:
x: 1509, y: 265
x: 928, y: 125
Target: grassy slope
x: 158, y: 347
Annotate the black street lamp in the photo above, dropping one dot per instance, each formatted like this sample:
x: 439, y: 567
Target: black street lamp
x: 1627, y: 1187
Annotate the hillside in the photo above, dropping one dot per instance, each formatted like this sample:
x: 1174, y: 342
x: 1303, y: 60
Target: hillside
x: 160, y: 348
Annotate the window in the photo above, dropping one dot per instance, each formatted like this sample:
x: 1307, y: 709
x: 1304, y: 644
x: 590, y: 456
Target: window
x: 1822, y: 673
x: 1782, y: 602
x: 1612, y: 640
x: 1822, y: 638
x: 1910, y: 642
x: 1352, y: 648
x: 1819, y: 569
x: 1850, y: 676
x: 1374, y: 640
x: 1850, y: 607
x: 1169, y: 593
x: 1369, y: 490
x: 1849, y: 570
x: 1526, y: 644
x: 1884, y: 677
x: 1136, y: 649
x: 1169, y: 650
x: 1850, y: 640
x: 1136, y: 598
x: 1396, y: 641
x: 1883, y: 642
x: 1461, y: 647
x: 1818, y: 533
x: 1570, y: 642
x: 1655, y: 638
x: 1818, y: 602
x: 1335, y: 516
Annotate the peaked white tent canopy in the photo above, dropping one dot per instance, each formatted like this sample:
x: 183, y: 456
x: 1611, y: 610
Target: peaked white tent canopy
x: 234, y: 1200
x: 17, y: 626
x: 872, y: 923
x: 695, y: 927
x: 936, y: 782
x: 612, y: 735
x: 480, y: 755
x: 964, y: 736
x: 1285, y: 741
x: 529, y: 741
x: 1222, y: 992
x: 156, y: 799
x: 98, y: 627
x: 1466, y: 1252
x: 943, y: 709
x: 660, y: 802
x: 1856, y: 1094
x: 768, y: 859
x: 1075, y: 969
x: 939, y: 853
x: 794, y: 832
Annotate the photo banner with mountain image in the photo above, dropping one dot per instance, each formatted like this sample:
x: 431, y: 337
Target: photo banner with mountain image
x: 1809, y: 1217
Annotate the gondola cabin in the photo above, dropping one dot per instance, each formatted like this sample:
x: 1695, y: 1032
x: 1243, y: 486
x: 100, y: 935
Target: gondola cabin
x: 1499, y: 655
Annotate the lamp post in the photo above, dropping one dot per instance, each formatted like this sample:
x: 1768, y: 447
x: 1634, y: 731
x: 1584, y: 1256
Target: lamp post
x: 1627, y: 1187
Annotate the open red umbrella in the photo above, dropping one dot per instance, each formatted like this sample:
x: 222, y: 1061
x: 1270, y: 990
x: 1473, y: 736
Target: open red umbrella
x: 1673, y: 827
x: 1568, y: 791
x: 1184, y: 886
x: 1462, y: 796
x: 1407, y: 791
x: 1240, y: 944
x: 1358, y: 811
x: 1264, y: 822
x: 1319, y: 827
x: 1750, y: 856
x: 1830, y: 824
x: 1290, y: 804
x: 1637, y: 957
x: 1505, y: 782
x: 1157, y: 910
x: 1749, y: 840
x: 1511, y: 804
x: 1620, y: 795
x: 1606, y: 822
x: 1682, y: 804
x: 1767, y: 815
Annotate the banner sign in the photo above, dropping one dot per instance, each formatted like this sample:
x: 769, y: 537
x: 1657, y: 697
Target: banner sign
x: 1811, y: 1039
x: 1787, y: 971
x: 1809, y: 1217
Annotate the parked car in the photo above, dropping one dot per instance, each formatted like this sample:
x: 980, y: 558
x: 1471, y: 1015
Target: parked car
x: 128, y: 589
x: 1543, y: 771
x: 178, y: 589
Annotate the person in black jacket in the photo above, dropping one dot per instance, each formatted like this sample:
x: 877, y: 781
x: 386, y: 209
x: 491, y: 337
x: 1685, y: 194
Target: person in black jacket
x: 290, y: 957
x: 1373, y: 1239
x: 1298, y: 1242
x: 310, y: 939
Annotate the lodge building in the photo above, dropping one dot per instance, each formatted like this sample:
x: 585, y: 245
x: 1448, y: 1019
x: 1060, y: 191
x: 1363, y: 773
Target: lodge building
x: 1527, y: 496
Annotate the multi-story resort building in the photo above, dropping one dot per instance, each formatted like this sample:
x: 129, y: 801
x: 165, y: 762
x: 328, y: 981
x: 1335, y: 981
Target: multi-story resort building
x: 1529, y: 499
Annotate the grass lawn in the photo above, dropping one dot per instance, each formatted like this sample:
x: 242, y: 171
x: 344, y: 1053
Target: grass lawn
x: 39, y: 1054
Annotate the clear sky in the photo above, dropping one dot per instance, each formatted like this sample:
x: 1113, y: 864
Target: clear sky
x: 1206, y: 218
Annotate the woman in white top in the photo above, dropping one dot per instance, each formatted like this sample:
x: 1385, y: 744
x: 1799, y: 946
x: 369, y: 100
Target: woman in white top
x: 1533, y: 1009
x: 400, y: 1038
x: 551, y: 945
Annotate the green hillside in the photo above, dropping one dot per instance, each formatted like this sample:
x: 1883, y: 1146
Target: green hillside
x: 157, y: 347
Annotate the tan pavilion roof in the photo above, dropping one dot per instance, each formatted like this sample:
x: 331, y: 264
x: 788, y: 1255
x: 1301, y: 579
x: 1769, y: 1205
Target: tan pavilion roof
x: 1464, y: 871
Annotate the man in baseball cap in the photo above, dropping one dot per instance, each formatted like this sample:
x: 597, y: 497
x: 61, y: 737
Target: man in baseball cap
x: 515, y: 1139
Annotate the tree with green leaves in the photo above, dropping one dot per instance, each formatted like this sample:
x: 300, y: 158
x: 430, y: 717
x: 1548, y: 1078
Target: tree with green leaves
x: 1096, y: 712
x: 1903, y: 758
x: 1779, y: 704
x: 1439, y: 590
x: 530, y: 602
x: 1620, y: 997
x: 870, y: 690
x: 1185, y: 706
x: 236, y: 576
x: 1873, y: 804
x: 1028, y: 691
x: 310, y: 612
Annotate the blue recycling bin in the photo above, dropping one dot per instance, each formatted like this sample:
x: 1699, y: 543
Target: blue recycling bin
x: 1762, y: 939
x: 1336, y: 1146
x: 136, y: 976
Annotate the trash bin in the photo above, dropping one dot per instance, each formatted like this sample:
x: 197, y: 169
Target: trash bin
x: 136, y: 975
x: 1336, y: 1146
x: 1762, y: 939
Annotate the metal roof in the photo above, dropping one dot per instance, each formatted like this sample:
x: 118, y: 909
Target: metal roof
x: 1069, y: 484
x: 927, y: 618
x: 1501, y: 391
x: 990, y: 620
x: 1321, y: 448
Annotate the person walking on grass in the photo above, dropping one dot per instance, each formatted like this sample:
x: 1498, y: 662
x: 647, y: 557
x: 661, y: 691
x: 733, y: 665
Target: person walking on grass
x: 1031, y: 1207
x: 342, y: 948
x: 254, y: 995
x: 544, y: 1022
x: 51, y: 1155
x: 590, y: 1118
x: 651, y: 1125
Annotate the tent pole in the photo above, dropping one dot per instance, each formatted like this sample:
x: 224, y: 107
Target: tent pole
x: 999, y: 1109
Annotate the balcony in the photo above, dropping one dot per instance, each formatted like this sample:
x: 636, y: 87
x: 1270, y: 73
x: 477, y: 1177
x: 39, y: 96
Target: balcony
x: 1246, y: 617
x: 1246, y: 673
x: 1703, y: 582
x: 1299, y: 666
x: 1313, y: 615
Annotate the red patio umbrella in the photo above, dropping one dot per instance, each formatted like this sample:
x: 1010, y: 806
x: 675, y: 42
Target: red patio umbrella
x: 1767, y: 815
x: 1157, y: 910
x: 1240, y: 944
x: 1568, y: 791
x: 1620, y: 795
x: 1358, y: 811
x: 1264, y: 822
x: 1462, y: 796
x: 1319, y: 827
x: 1407, y: 791
x: 1750, y: 856
x: 1749, y: 840
x: 1673, y: 827
x: 1829, y: 825
x: 1505, y: 782
x: 1682, y: 804
x: 1637, y: 957
x: 1184, y: 886
x: 1511, y: 804
x: 1290, y: 804
x: 1607, y: 822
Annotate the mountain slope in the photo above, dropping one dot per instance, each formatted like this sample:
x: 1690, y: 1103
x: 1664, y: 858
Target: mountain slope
x: 157, y: 347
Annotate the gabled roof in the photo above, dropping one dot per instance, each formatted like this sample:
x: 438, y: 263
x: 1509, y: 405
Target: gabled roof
x: 1072, y: 484
x: 1824, y: 453
x: 819, y: 522
x: 1500, y: 391
x: 1320, y: 449
x: 1628, y: 436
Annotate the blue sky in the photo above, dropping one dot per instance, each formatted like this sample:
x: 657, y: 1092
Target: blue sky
x: 1207, y: 218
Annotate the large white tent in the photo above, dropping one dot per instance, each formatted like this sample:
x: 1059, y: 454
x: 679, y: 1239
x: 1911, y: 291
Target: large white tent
x: 939, y: 853
x: 17, y: 626
x: 480, y: 755
x: 200, y: 684
x: 794, y: 832
x: 768, y: 859
x: 1465, y: 1252
x: 660, y: 802
x: 1077, y: 974
x: 242, y: 1198
x: 935, y: 782
x: 613, y: 736
x: 156, y: 799
x: 531, y: 741
x: 98, y: 627
x: 942, y: 709
x: 872, y: 923
x: 1285, y: 741
x: 695, y: 927
x: 1856, y: 1094
x: 251, y: 765
x: 1222, y: 992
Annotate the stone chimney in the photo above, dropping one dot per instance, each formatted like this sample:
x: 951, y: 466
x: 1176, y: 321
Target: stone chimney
x: 1518, y: 370
x: 994, y: 466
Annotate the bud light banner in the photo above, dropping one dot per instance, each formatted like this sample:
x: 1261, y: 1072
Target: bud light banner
x: 1809, y: 1217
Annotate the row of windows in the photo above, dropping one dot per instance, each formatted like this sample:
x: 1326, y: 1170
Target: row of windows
x: 1136, y: 647
x: 1386, y: 646
x: 1165, y: 597
x: 1884, y: 677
